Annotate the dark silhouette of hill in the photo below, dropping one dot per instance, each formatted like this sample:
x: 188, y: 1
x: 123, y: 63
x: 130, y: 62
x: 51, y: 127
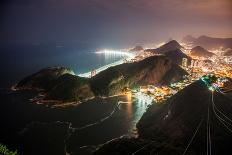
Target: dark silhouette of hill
x: 152, y: 70
x: 228, y: 52
x: 42, y: 78
x: 188, y: 39
x: 180, y: 116
x: 176, y: 56
x: 201, y: 52
x: 136, y: 49
x: 172, y: 49
x: 61, y: 85
x: 169, y: 46
x: 181, y: 125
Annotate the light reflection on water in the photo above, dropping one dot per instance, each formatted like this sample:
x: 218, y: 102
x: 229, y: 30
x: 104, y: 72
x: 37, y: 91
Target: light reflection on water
x: 135, y: 107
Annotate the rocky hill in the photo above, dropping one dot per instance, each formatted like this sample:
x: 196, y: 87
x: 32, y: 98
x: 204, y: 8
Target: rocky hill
x: 70, y: 88
x: 172, y: 50
x: 152, y: 70
x: 181, y: 125
x: 201, y: 52
x: 176, y: 56
x: 188, y: 39
x: 169, y: 46
x: 42, y: 78
x: 136, y: 49
x: 61, y: 85
x: 228, y: 52
x: 178, y: 119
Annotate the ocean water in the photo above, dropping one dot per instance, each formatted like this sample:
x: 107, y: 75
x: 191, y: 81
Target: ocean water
x: 30, y: 128
x: 18, y: 61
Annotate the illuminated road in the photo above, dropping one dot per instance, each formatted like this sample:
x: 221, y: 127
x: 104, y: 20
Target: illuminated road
x: 109, y: 52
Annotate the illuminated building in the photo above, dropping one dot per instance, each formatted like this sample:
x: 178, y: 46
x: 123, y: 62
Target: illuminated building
x: 93, y: 72
x: 192, y: 64
x: 195, y: 63
x: 184, y: 62
x: 143, y: 88
x: 151, y: 88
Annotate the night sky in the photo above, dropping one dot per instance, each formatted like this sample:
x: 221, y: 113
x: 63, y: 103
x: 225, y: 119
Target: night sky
x: 112, y: 21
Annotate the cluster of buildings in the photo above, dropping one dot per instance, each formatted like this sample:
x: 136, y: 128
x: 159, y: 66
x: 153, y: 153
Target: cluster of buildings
x: 158, y: 94
x: 140, y: 56
x: 196, y: 68
x: 199, y: 67
x: 93, y: 73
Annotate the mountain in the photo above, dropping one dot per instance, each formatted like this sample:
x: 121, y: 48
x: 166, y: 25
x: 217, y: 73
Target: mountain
x: 172, y: 50
x: 176, y: 56
x: 42, y: 78
x: 136, y: 49
x: 188, y: 39
x: 201, y: 52
x: 183, y: 123
x: 179, y: 118
x: 228, y: 52
x: 209, y: 43
x: 170, y: 46
x: 151, y: 70
x: 68, y: 87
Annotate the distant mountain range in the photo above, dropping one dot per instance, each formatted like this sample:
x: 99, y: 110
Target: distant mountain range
x: 209, y: 43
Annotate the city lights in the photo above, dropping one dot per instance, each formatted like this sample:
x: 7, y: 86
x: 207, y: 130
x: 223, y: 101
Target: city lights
x: 110, y: 52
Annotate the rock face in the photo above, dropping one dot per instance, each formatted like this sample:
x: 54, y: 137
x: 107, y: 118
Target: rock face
x: 200, y: 52
x: 183, y: 113
x: 152, y: 70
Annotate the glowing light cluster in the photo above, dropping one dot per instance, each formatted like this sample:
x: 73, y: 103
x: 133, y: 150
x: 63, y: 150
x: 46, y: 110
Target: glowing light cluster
x: 143, y: 98
x: 211, y: 82
x: 130, y: 55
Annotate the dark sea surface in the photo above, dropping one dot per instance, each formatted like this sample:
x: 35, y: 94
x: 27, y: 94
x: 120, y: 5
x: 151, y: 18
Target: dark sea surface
x: 36, y: 129
x: 39, y: 130
x: 20, y: 60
